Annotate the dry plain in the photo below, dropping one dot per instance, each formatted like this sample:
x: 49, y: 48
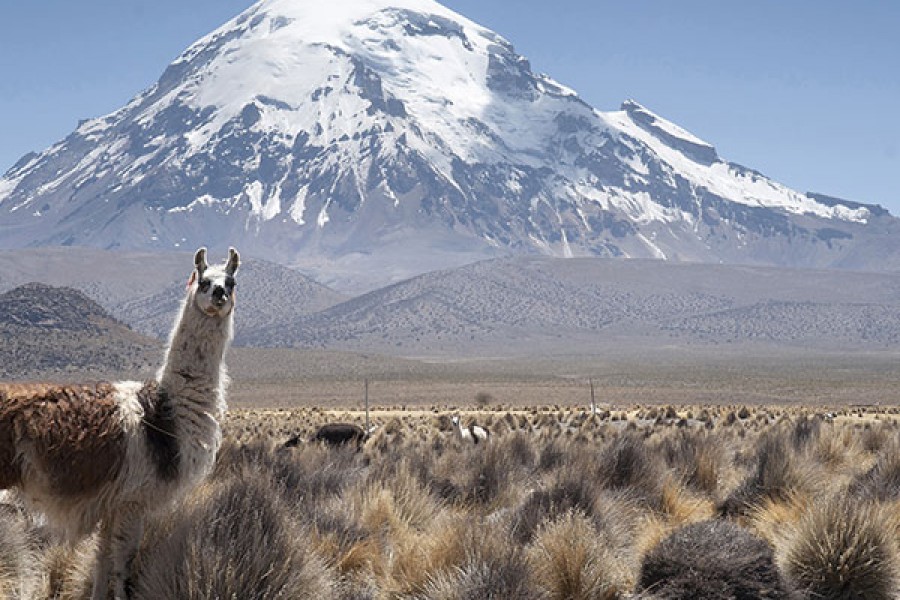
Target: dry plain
x: 276, y: 378
x: 704, y: 473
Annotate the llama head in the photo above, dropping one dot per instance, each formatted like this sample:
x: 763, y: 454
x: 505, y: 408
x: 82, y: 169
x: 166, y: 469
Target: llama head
x: 213, y: 286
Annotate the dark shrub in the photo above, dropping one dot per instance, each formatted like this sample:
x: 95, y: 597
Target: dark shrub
x: 712, y: 560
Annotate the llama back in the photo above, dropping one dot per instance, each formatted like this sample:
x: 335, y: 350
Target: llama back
x: 72, y: 433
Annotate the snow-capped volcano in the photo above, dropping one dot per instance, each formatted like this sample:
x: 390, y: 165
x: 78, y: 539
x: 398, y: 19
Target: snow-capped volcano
x: 396, y: 136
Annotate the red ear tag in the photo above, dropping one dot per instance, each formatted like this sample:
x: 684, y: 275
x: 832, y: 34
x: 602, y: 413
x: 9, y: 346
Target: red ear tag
x: 191, y: 280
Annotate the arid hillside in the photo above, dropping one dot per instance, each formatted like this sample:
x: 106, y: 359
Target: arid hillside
x: 53, y: 332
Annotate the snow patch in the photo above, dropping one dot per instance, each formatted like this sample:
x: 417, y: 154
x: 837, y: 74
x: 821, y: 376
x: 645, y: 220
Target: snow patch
x: 726, y: 181
x: 657, y: 253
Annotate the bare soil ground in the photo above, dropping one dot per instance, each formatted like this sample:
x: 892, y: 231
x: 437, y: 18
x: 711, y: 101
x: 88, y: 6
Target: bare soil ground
x: 331, y: 380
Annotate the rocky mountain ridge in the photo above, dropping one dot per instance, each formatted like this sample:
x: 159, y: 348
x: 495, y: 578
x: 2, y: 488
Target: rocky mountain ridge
x: 526, y: 306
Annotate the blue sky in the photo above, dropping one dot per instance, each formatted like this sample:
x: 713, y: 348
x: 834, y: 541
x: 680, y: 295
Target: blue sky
x: 806, y: 92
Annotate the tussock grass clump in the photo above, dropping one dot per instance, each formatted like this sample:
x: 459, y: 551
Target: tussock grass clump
x: 491, y: 568
x: 558, y: 504
x: 521, y: 450
x: 697, y: 458
x: 882, y: 481
x: 843, y: 549
x: 570, y: 560
x: 551, y: 456
x: 398, y: 502
x: 570, y: 492
x: 711, y: 560
x: 487, y: 476
x: 627, y: 464
x: 778, y: 474
x: 232, y: 539
x: 806, y: 432
x: 837, y: 448
x: 304, y: 474
x: 875, y: 437
x: 611, y: 514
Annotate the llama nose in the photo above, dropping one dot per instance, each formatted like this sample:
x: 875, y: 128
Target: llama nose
x: 219, y: 295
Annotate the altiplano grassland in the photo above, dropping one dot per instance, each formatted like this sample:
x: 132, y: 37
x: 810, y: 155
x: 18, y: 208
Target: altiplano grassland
x: 696, y: 475
x: 642, y: 501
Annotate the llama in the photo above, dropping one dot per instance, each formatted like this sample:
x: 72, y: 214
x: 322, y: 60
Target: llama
x: 335, y: 434
x: 472, y: 433
x: 110, y: 453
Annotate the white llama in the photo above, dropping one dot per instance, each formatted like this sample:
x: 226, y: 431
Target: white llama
x: 111, y: 453
x: 472, y: 433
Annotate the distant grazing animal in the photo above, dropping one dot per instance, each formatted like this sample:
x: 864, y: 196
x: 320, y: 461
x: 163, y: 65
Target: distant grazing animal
x: 338, y: 434
x: 472, y: 433
x: 110, y: 453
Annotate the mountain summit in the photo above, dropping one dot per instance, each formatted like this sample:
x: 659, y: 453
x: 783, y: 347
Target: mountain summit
x: 381, y: 138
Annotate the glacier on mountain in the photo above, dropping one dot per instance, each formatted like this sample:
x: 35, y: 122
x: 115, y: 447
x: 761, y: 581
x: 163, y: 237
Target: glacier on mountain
x: 382, y: 138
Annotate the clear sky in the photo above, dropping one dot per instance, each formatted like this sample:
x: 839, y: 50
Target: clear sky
x: 805, y: 91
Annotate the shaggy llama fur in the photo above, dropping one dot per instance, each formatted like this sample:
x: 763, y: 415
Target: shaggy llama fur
x: 108, y: 454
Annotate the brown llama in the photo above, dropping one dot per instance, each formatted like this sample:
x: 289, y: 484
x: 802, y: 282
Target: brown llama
x: 110, y: 453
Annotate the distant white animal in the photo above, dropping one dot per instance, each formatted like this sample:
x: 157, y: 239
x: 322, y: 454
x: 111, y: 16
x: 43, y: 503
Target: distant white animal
x: 110, y: 453
x: 472, y: 433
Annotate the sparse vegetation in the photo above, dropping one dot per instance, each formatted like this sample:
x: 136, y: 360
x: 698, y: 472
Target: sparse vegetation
x: 559, y: 504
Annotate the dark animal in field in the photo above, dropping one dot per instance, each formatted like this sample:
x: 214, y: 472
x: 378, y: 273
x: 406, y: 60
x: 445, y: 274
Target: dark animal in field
x: 334, y: 434
x: 108, y: 454
x: 338, y: 434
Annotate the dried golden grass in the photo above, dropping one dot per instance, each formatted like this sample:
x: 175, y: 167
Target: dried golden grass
x: 843, y: 548
x: 571, y: 560
x: 560, y: 503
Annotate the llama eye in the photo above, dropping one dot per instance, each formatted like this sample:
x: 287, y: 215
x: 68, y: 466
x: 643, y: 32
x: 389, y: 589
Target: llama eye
x: 204, y: 285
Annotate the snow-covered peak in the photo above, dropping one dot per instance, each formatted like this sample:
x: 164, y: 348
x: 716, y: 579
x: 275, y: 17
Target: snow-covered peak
x: 272, y: 37
x: 669, y: 133
x: 698, y: 161
x: 371, y: 127
x: 325, y: 23
x: 291, y: 62
x: 653, y: 122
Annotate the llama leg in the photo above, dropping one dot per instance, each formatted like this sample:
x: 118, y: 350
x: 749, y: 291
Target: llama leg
x: 127, y: 534
x: 103, y: 565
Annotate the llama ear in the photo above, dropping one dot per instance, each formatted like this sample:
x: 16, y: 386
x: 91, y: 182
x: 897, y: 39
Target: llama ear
x: 234, y: 261
x: 200, y: 261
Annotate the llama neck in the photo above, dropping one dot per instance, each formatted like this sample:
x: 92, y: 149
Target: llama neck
x: 194, y: 358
